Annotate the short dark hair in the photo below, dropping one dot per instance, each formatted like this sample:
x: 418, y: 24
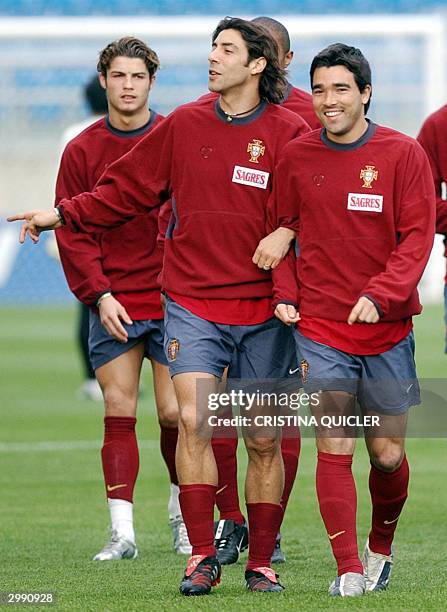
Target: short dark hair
x: 95, y: 96
x: 128, y: 47
x: 351, y: 58
x: 277, y: 28
x: 260, y: 43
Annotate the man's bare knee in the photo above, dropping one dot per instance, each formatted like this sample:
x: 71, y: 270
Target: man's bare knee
x: 262, y: 446
x: 118, y: 402
x: 387, y: 460
x: 167, y: 415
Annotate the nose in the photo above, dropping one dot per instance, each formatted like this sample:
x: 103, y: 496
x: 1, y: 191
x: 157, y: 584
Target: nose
x: 330, y: 97
x: 212, y: 57
x: 128, y: 82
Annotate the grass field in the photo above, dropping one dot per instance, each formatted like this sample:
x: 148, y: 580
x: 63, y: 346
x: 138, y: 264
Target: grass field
x: 53, y: 516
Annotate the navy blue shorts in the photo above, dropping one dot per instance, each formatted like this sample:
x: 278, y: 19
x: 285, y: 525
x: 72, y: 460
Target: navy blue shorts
x: 193, y: 344
x: 103, y: 347
x: 386, y: 383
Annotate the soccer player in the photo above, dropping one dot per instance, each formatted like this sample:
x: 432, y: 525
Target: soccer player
x: 115, y: 274
x: 361, y: 199
x: 231, y: 529
x: 216, y: 158
x: 432, y: 137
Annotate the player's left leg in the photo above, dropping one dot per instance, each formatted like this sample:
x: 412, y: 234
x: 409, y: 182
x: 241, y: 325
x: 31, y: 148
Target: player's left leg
x: 263, y: 491
x: 260, y: 355
x: 388, y: 486
x: 389, y: 388
x: 167, y: 410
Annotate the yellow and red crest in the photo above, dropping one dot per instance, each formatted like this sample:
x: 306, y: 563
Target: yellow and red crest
x: 256, y: 149
x: 173, y: 349
x: 369, y: 174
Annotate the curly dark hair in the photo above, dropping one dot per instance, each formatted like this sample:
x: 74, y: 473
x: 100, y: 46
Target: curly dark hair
x: 259, y: 42
x: 128, y: 47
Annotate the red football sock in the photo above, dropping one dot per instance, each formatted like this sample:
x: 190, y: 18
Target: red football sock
x: 389, y: 491
x: 264, y: 521
x: 290, y: 451
x: 227, y: 496
x: 197, y: 505
x: 338, y: 506
x: 168, y: 444
x: 120, y: 458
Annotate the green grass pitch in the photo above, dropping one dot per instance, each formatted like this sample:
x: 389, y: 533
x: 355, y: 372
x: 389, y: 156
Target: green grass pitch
x: 53, y: 515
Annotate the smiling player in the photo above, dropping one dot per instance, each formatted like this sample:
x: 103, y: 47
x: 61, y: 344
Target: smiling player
x: 363, y: 200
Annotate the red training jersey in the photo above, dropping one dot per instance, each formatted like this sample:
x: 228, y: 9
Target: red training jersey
x: 124, y: 260
x: 219, y: 173
x: 364, y: 214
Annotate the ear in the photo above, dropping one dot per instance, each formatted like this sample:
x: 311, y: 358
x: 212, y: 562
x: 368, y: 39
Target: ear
x: 288, y: 59
x: 103, y: 81
x: 366, y: 93
x: 152, y: 81
x: 258, y: 65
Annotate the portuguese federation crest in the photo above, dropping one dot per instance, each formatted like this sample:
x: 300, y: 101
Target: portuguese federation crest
x: 256, y: 149
x: 369, y: 174
x: 173, y: 349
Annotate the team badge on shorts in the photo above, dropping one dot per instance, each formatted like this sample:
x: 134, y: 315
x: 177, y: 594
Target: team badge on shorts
x: 256, y: 149
x: 304, y: 368
x: 173, y: 349
x: 369, y: 174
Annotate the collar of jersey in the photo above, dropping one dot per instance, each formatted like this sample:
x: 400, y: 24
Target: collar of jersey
x: 240, y: 120
x: 364, y: 138
x: 131, y: 133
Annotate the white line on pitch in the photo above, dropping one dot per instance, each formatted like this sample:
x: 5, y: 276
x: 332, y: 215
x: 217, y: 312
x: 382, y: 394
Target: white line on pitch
x: 68, y: 445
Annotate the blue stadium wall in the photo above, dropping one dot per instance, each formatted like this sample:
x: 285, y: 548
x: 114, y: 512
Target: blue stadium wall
x: 212, y: 7
x: 30, y: 275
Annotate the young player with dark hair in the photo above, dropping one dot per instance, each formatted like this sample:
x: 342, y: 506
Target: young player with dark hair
x: 216, y: 158
x: 361, y: 199
x: 231, y: 529
x: 432, y: 137
x: 115, y: 274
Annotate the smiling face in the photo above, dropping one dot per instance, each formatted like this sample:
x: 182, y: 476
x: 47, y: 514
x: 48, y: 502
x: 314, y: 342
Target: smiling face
x: 339, y: 104
x: 230, y: 67
x: 127, y: 85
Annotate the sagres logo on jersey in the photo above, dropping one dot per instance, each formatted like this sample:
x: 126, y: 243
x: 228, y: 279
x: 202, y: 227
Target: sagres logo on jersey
x: 256, y: 149
x: 369, y: 174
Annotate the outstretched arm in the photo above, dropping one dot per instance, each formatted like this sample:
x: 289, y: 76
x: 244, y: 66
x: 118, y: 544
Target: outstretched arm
x: 138, y: 181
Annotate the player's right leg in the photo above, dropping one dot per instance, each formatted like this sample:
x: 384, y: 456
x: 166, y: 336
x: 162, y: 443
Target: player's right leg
x: 197, y: 472
x: 337, y: 374
x: 198, y: 354
x: 117, y: 367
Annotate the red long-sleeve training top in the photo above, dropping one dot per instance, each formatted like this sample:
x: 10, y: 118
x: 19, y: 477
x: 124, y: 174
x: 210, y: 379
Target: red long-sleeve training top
x: 365, y: 216
x: 124, y: 260
x: 220, y: 175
